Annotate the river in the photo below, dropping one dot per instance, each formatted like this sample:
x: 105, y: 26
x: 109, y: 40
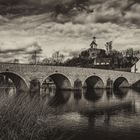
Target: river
x: 86, y: 115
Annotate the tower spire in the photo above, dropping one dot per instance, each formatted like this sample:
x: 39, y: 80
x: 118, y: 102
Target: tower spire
x: 93, y: 43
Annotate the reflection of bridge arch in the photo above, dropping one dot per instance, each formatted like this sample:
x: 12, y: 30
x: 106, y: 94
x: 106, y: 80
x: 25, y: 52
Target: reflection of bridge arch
x: 93, y: 95
x: 121, y: 93
x: 121, y: 82
x: 94, y: 82
x: 59, y: 98
x: 60, y: 80
x: 17, y: 80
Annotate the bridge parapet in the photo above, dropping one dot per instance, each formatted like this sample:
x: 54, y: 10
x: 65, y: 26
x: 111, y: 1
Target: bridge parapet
x: 41, y: 72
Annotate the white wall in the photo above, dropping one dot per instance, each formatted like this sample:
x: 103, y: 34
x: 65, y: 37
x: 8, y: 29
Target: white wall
x: 137, y: 67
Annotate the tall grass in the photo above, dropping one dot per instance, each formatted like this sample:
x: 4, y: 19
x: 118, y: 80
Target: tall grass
x: 18, y: 119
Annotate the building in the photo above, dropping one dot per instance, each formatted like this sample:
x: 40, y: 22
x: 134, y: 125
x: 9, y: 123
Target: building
x: 95, y: 52
x: 102, y: 62
x: 136, y: 67
x: 95, y: 57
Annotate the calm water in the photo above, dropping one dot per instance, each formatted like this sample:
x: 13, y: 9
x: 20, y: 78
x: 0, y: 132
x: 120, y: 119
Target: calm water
x: 86, y: 115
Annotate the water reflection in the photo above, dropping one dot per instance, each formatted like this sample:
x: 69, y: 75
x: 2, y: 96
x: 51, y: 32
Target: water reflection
x: 98, y: 114
x: 77, y: 95
x: 104, y: 118
x: 93, y: 95
x: 121, y: 93
x: 59, y: 98
x: 109, y: 93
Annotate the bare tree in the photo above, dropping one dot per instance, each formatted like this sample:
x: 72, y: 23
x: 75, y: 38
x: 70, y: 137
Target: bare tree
x: 35, y: 54
x: 57, y: 57
x: 108, y: 47
x: 16, y: 61
x: 46, y: 61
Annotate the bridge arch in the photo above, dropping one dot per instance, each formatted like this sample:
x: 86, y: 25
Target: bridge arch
x: 18, y: 81
x: 60, y: 81
x: 121, y: 82
x: 94, y: 82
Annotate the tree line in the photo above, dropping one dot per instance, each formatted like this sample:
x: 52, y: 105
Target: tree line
x: 119, y: 59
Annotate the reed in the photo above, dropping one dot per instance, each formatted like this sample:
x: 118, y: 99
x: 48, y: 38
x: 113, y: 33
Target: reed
x: 18, y: 119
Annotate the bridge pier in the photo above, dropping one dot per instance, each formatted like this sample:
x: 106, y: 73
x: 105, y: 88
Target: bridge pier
x: 35, y: 87
x: 109, y: 83
x: 68, y: 78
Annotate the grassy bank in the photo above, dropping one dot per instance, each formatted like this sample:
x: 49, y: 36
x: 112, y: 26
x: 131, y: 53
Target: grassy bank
x: 18, y: 119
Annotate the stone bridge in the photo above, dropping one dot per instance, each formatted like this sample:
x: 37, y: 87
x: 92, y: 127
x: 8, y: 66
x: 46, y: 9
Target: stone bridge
x: 22, y: 76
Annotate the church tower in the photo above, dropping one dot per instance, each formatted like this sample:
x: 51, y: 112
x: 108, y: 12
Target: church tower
x: 93, y: 43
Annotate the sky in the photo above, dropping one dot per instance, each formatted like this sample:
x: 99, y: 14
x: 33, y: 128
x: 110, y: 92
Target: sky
x: 66, y: 26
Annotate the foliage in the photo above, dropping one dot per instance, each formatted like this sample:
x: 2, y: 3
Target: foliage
x: 116, y: 57
x: 19, y: 119
x: 129, y: 52
x: 79, y: 62
x: 56, y: 59
x: 84, y: 54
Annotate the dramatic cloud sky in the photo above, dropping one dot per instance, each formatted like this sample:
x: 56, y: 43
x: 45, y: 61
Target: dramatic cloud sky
x: 66, y: 25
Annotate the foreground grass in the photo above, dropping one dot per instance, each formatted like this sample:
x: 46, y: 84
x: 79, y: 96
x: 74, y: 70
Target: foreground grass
x: 18, y: 119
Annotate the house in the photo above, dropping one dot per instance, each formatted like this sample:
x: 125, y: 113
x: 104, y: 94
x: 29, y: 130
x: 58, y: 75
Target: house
x: 102, y: 61
x: 136, y: 67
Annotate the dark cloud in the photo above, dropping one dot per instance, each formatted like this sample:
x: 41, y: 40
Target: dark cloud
x: 58, y: 23
x: 63, y: 11
x: 7, y: 51
x: 25, y: 52
x: 117, y: 12
x: 37, y: 7
x: 10, y: 2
